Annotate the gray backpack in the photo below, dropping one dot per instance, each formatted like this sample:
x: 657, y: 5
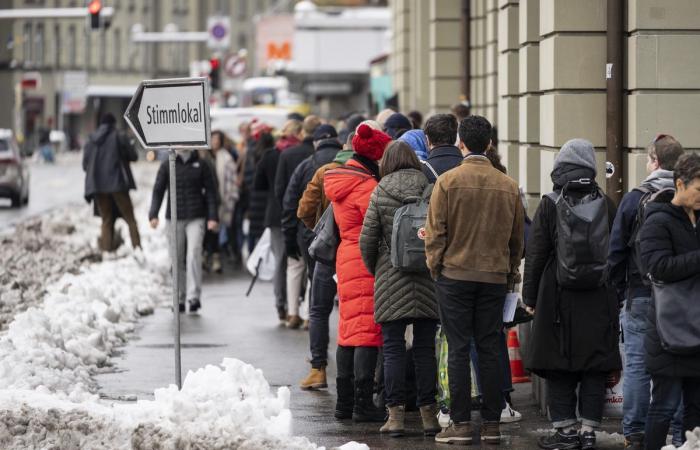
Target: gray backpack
x: 582, y: 238
x: 408, y: 233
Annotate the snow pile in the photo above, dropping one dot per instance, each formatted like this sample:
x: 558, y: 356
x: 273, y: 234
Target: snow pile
x: 38, y: 253
x: 218, y: 407
x: 692, y: 441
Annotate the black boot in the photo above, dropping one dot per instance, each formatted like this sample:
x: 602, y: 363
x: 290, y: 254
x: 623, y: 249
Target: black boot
x: 365, y: 410
x: 345, y: 402
x: 560, y: 440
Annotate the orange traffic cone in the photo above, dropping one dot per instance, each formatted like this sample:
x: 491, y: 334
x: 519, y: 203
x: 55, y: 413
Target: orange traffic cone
x: 517, y: 371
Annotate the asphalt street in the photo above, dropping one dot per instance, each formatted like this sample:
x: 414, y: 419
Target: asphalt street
x: 231, y: 325
x: 50, y: 186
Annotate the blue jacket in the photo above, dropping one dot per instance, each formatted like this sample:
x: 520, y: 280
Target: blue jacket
x: 624, y: 275
x: 442, y: 159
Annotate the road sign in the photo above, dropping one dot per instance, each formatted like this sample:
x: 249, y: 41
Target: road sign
x: 219, y: 28
x: 171, y: 113
x: 235, y: 66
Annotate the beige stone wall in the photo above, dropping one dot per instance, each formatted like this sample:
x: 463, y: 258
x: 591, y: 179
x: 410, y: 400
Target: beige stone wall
x: 663, y: 77
x: 508, y: 119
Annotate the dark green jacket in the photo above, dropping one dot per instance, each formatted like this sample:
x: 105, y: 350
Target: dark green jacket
x: 397, y: 295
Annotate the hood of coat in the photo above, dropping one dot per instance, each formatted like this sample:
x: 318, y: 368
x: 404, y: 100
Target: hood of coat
x: 329, y: 144
x: 660, y: 179
x: 662, y: 205
x: 404, y: 183
x: 341, y: 182
x: 101, y: 133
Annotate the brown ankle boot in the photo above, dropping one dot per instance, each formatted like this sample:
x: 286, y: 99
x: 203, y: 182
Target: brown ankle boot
x: 316, y: 379
x: 395, y: 424
x: 294, y: 322
x: 428, y: 415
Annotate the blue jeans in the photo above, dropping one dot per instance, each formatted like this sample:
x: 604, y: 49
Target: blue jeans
x: 637, y: 381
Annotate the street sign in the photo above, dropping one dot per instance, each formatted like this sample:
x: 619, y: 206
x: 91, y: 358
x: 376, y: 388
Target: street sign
x: 219, y: 28
x: 171, y: 113
x: 235, y: 66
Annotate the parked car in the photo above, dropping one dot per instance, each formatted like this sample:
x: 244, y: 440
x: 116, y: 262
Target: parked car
x: 14, y: 173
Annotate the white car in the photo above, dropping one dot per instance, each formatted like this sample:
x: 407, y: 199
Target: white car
x: 229, y: 120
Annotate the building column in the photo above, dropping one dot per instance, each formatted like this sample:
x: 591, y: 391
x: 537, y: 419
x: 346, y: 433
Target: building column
x: 508, y: 87
x: 445, y: 68
x: 661, y: 77
x: 572, y: 61
x: 529, y: 100
x: 400, y: 57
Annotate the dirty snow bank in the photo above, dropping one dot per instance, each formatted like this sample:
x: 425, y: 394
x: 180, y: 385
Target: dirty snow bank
x: 226, y: 407
x: 50, y: 351
x: 692, y: 441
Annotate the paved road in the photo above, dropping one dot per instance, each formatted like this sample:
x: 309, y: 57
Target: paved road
x: 51, y: 186
x: 231, y: 325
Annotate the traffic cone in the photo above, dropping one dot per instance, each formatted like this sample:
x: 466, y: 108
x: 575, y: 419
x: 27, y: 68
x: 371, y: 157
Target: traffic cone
x: 517, y: 371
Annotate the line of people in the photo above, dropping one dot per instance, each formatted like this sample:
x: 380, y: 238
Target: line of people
x: 589, y: 267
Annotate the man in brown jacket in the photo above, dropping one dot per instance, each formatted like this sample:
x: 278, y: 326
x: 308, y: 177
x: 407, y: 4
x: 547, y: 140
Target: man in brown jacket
x: 473, y: 246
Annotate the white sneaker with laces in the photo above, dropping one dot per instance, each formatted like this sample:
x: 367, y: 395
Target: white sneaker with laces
x: 509, y: 415
x: 443, y: 419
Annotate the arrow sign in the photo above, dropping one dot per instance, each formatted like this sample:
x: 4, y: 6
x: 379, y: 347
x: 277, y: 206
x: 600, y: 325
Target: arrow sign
x: 171, y: 113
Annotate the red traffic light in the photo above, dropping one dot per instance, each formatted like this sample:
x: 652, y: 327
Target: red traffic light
x: 95, y: 6
x: 214, y: 63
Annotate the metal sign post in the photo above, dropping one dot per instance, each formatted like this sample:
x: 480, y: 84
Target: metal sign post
x: 174, y: 114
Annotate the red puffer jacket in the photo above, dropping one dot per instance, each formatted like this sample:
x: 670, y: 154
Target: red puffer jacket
x: 349, y: 191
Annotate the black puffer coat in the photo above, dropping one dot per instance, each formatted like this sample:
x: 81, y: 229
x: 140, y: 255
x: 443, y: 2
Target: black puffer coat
x: 256, y: 199
x: 670, y: 250
x: 196, y: 190
x: 573, y: 331
x: 106, y: 159
x: 397, y: 295
x: 265, y: 181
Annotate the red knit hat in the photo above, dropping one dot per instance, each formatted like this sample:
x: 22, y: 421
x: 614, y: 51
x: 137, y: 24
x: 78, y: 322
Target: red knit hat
x: 369, y: 142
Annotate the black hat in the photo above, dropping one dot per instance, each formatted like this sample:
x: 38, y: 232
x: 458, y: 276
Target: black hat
x: 325, y: 131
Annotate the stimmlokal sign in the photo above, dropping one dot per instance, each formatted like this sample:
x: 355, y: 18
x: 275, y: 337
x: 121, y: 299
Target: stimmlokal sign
x: 171, y: 113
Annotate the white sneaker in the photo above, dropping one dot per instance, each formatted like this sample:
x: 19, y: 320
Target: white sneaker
x: 443, y: 419
x: 509, y: 415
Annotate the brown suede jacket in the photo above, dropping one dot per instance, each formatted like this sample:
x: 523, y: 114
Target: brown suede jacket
x: 314, y: 202
x: 475, y: 226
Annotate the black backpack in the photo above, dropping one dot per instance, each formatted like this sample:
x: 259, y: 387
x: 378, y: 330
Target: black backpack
x: 648, y: 195
x: 582, y: 238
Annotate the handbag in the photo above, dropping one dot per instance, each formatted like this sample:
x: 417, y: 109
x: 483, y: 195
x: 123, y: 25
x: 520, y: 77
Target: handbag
x: 326, y: 240
x: 678, y: 315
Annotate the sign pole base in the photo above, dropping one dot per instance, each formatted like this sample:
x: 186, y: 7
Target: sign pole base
x: 172, y: 155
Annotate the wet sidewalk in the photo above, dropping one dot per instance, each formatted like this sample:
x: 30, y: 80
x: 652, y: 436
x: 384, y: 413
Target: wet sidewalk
x: 231, y: 325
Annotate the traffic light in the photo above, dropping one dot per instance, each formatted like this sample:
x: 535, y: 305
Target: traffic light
x: 94, y: 8
x: 215, y: 73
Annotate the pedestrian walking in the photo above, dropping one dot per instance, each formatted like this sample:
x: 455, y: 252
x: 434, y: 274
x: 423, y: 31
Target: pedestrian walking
x: 359, y: 337
x: 474, y: 260
x: 197, y: 210
x: 296, y: 265
x: 312, y: 204
x: 108, y: 179
x: 670, y: 253
x: 401, y: 298
x: 634, y: 290
x: 265, y: 181
x: 574, y: 342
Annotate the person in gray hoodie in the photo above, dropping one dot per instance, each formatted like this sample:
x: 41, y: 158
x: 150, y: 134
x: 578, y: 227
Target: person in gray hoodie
x: 635, y: 293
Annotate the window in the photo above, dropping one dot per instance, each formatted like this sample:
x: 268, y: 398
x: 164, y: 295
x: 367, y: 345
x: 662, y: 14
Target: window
x: 117, y: 49
x: 39, y: 45
x: 88, y: 49
x: 259, y: 6
x: 71, y: 46
x: 27, y: 43
x: 242, y: 40
x: 57, y: 48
